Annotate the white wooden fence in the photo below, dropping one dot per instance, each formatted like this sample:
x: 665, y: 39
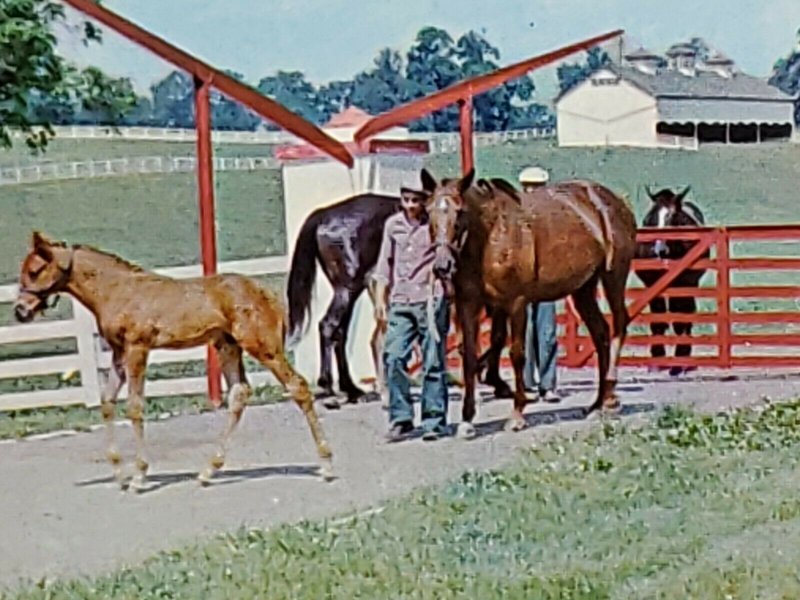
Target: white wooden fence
x: 138, y: 165
x: 261, y: 136
x: 92, y: 361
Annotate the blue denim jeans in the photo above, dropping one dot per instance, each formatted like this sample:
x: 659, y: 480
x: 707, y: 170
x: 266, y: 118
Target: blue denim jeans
x: 541, y: 347
x: 406, y: 324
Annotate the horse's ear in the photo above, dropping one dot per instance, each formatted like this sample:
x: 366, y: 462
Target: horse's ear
x: 41, y: 246
x: 466, y: 181
x: 428, y: 180
x: 649, y: 193
x: 682, y: 195
x: 38, y: 240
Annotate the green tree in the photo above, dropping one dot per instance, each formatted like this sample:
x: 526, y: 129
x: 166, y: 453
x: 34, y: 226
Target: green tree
x: 33, y: 75
x: 786, y: 75
x: 173, y: 101
x: 383, y: 87
x: 431, y: 65
x: 295, y: 92
x: 227, y: 114
x: 499, y: 108
x: 571, y: 74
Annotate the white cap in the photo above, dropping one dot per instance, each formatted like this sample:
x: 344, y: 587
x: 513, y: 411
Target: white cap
x: 534, y: 175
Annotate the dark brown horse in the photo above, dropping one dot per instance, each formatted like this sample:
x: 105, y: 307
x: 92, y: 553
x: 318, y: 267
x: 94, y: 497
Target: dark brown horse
x: 345, y: 238
x: 669, y: 209
x: 506, y: 249
x: 138, y: 311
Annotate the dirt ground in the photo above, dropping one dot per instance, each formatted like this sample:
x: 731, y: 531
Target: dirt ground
x: 61, y: 514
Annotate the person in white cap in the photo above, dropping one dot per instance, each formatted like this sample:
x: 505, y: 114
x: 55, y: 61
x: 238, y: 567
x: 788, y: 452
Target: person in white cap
x: 541, y: 345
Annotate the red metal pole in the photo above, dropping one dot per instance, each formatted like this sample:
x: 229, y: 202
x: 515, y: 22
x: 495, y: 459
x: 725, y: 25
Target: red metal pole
x: 467, y: 151
x: 205, y: 185
x: 724, y: 298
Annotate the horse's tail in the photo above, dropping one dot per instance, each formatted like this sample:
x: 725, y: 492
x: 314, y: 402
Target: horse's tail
x: 301, y: 280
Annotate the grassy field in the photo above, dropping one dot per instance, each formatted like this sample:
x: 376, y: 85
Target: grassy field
x: 686, y: 506
x: 150, y: 219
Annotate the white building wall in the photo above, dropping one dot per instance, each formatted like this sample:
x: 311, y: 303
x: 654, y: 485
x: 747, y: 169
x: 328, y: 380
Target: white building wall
x: 606, y: 110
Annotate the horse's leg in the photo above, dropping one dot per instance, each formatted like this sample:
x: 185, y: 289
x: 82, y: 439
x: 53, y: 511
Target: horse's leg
x: 498, y: 342
x: 682, y: 328
x: 136, y: 360
x: 468, y: 315
x: 298, y: 388
x: 230, y: 357
x: 519, y: 323
x: 346, y: 384
x: 614, y: 283
x: 108, y: 403
x: 327, y: 328
x: 586, y: 305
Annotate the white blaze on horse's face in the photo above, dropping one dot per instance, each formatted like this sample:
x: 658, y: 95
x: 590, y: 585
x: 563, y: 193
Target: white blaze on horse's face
x: 661, y: 248
x: 444, y: 261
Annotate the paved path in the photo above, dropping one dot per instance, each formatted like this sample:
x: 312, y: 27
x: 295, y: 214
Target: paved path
x: 61, y: 515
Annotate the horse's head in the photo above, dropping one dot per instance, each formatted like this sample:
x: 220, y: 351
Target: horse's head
x: 446, y: 209
x: 45, y: 271
x: 667, y: 211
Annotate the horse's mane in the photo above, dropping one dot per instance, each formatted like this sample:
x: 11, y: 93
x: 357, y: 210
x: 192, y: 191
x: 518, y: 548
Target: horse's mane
x: 118, y: 260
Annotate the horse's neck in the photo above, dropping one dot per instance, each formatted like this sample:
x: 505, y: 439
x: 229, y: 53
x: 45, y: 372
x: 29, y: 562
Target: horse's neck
x: 96, y: 277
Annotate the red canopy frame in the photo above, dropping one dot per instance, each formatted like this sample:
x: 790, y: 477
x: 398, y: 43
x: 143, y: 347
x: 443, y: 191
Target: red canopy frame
x: 206, y: 77
x: 463, y: 92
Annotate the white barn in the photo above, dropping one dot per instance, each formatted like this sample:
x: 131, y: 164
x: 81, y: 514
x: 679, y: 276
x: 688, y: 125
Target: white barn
x: 677, y: 101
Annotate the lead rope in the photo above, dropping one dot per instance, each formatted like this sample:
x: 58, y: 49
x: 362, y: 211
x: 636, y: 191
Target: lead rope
x: 431, y: 310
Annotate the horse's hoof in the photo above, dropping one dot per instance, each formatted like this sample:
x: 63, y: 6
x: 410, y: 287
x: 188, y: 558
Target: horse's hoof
x: 324, y: 393
x: 465, y: 431
x: 515, y: 424
x: 332, y: 403
x: 325, y: 470
x: 205, y: 477
x: 371, y: 397
x: 138, y: 483
x: 503, y: 392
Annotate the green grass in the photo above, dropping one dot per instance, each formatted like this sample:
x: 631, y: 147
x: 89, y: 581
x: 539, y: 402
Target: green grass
x: 686, y: 506
x: 149, y: 219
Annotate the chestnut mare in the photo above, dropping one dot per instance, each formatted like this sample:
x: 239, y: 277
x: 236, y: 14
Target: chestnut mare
x: 506, y: 249
x: 138, y: 311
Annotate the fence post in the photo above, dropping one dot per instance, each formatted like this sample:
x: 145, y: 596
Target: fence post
x: 87, y: 353
x: 724, y: 297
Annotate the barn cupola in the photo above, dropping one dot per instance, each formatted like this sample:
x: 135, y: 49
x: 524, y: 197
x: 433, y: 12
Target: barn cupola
x: 682, y: 58
x: 643, y: 60
x: 720, y: 64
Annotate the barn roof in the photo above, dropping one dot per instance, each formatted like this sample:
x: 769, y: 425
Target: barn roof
x: 674, y: 84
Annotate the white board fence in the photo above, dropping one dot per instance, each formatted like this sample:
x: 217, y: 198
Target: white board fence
x: 93, y: 362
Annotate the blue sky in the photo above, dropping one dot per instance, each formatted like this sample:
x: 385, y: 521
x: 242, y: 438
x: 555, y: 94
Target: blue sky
x: 334, y: 39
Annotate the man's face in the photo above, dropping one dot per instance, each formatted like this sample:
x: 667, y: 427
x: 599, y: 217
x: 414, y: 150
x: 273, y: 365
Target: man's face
x: 413, y: 205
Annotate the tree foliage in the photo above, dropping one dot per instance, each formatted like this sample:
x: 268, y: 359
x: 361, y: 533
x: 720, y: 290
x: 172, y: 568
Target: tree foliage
x: 45, y: 90
x: 786, y: 75
x: 571, y: 74
x: 37, y: 86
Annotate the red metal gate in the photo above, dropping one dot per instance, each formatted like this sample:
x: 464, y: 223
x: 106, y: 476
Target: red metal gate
x: 735, y: 324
